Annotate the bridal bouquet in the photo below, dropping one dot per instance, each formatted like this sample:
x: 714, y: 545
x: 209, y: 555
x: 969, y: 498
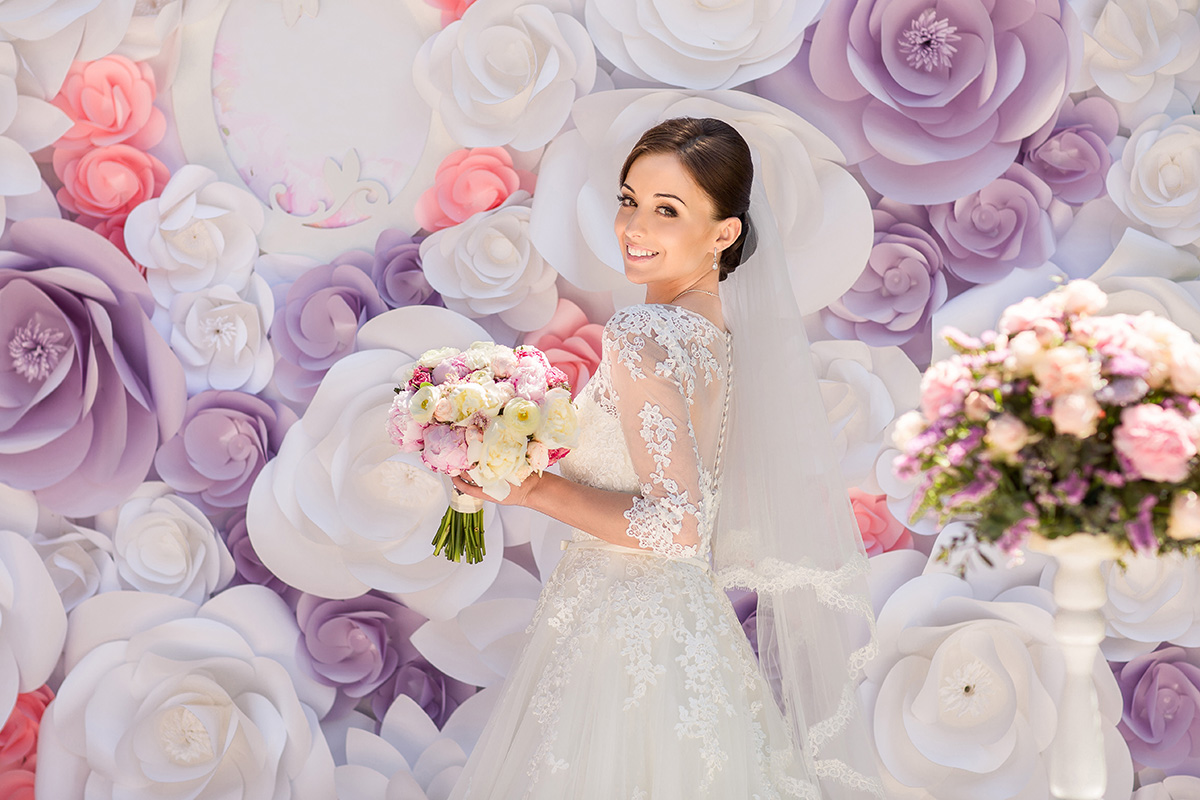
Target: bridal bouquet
x: 492, y: 412
x: 1062, y: 422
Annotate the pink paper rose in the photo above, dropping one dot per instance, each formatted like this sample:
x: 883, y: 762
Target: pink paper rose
x: 881, y: 532
x: 571, y: 343
x: 943, y: 388
x: 107, y: 181
x: 1156, y: 442
x: 17, y: 785
x: 445, y: 449
x: 451, y: 9
x: 469, y: 181
x: 18, y: 737
x: 111, y: 101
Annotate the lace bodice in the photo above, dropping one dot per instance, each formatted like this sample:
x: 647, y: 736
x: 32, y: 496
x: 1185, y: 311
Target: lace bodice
x: 652, y: 423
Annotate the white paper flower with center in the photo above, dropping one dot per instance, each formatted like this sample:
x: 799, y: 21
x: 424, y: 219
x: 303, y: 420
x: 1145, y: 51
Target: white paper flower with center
x: 507, y: 72
x: 702, y: 45
x: 162, y: 543
x: 199, y: 233
x: 168, y: 700
x: 1157, y: 180
x: 488, y: 265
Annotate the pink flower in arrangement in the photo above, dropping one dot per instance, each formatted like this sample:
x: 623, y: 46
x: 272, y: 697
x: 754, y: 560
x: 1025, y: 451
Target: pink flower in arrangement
x: 571, y: 343
x: 1023, y: 316
x: 469, y: 181
x: 1067, y: 369
x: 943, y: 388
x: 881, y: 532
x: 451, y: 9
x: 111, y: 101
x: 405, y: 432
x: 107, y: 181
x: 445, y: 449
x: 19, y: 736
x: 1156, y: 442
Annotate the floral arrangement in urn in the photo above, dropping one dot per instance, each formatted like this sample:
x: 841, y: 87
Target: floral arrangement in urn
x: 1062, y: 422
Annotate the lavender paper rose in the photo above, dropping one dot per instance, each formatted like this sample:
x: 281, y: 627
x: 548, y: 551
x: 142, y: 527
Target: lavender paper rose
x: 1161, y: 692
x: 317, y: 318
x: 434, y: 691
x: 1071, y: 155
x: 397, y: 271
x: 246, y: 563
x: 89, y: 386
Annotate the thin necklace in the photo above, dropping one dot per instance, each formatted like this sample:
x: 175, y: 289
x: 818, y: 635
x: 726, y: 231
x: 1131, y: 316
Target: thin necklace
x: 701, y: 291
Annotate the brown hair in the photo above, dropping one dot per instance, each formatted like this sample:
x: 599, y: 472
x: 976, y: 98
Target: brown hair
x: 718, y: 159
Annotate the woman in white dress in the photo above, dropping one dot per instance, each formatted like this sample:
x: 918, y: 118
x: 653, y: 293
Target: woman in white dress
x: 637, y: 680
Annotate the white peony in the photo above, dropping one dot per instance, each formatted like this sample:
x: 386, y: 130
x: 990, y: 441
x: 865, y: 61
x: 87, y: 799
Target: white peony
x: 162, y: 543
x: 340, y: 511
x: 702, y: 45
x: 1144, y: 55
x: 220, y: 336
x: 864, y: 389
x: 507, y: 72
x: 165, y: 699
x: 1157, y: 181
x: 197, y: 234
x: 487, y: 264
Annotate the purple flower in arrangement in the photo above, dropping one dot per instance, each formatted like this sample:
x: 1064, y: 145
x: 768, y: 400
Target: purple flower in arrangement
x: 1160, y: 719
x: 434, y: 691
x: 1071, y: 154
x: 397, y: 273
x: 223, y: 443
x: 901, y: 287
x: 1017, y: 534
x: 1012, y: 223
x: 1073, y: 488
x: 1140, y: 530
x: 932, y: 101
x: 89, y: 388
x: 317, y: 319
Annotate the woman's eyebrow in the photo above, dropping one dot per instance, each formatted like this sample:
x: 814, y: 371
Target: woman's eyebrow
x: 656, y: 194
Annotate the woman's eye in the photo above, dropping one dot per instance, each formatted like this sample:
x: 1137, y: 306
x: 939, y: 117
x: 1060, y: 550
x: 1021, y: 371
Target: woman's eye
x: 625, y: 200
x: 666, y: 211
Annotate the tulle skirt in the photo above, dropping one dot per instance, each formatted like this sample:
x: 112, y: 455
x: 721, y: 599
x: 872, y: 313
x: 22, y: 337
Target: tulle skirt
x: 637, y: 681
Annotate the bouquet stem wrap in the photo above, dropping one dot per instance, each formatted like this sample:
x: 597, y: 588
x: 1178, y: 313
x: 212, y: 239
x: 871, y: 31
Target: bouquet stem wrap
x: 461, y: 530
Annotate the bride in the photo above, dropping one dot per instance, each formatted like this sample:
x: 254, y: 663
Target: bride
x: 637, y: 680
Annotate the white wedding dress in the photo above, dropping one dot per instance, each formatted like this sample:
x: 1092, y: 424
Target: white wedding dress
x: 637, y: 680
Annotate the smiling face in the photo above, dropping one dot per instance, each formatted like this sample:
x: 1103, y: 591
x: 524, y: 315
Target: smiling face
x: 665, y: 227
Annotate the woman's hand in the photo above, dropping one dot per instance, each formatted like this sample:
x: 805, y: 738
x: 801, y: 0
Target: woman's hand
x: 517, y: 495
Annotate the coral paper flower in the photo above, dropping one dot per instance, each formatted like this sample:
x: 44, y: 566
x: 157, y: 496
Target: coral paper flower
x: 110, y: 101
x: 107, y: 181
x: 467, y: 182
x: 571, y: 343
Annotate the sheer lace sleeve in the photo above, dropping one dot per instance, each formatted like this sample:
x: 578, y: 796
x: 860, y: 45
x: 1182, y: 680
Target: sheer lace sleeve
x: 653, y: 363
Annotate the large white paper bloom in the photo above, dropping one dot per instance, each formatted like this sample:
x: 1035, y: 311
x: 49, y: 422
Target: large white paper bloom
x: 162, y: 543
x: 220, y: 336
x: 1176, y: 787
x: 1151, y: 601
x: 507, y: 72
x: 1144, y: 55
x: 33, y: 624
x: 153, y: 23
x: 864, y: 388
x: 963, y: 695
x: 199, y: 233
x: 339, y: 511
x: 166, y: 700
x: 26, y: 124
x: 822, y: 212
x: 1157, y: 180
x: 50, y: 34
x: 410, y: 758
x: 487, y: 264
x: 699, y: 45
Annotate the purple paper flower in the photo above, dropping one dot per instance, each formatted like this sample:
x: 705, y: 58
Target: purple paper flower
x: 246, y: 563
x: 434, y: 691
x: 902, y: 285
x: 89, y: 387
x: 1161, y: 716
x: 225, y: 439
x: 745, y: 605
x: 1071, y: 155
x: 354, y: 644
x: 932, y: 101
x: 1009, y: 224
x: 397, y: 271
x: 317, y: 319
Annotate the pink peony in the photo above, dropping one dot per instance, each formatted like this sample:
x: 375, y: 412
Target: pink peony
x: 469, y: 181
x: 530, y: 379
x: 18, y: 738
x: 111, y: 101
x: 404, y: 431
x: 1023, y: 316
x: 1067, y: 369
x: 1076, y: 413
x: 107, y: 181
x: 881, y: 532
x: 445, y: 449
x: 943, y: 388
x: 571, y: 343
x: 1156, y: 442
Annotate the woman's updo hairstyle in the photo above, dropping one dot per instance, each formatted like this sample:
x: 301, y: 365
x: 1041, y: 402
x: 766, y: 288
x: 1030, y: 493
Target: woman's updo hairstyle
x: 718, y: 159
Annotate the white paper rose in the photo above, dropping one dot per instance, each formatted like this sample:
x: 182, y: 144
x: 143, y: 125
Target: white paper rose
x: 963, y: 695
x: 50, y: 34
x: 199, y: 233
x: 822, y: 213
x: 152, y: 25
x: 507, y: 72
x: 699, y: 45
x: 162, y: 543
x: 411, y: 758
x: 487, y: 264
x: 1157, y: 180
x: 1176, y: 787
x: 339, y: 511
x: 865, y: 389
x: 220, y: 336
x: 27, y: 124
x: 1140, y: 53
x: 33, y: 624
x: 1151, y: 601
x: 167, y: 700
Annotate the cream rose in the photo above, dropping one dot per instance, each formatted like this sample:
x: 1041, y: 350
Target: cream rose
x: 431, y: 358
x: 560, y: 424
x: 908, y: 425
x: 1006, y: 435
x: 1066, y: 369
x: 522, y: 416
x: 1184, y: 361
x: 1025, y: 352
x: 500, y: 454
x: 466, y: 400
x: 1184, y: 522
x: 424, y: 403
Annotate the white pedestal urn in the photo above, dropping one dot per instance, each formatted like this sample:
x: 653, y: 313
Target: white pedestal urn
x: 1076, y: 758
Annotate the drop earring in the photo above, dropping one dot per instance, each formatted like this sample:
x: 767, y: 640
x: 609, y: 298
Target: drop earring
x: 716, y: 264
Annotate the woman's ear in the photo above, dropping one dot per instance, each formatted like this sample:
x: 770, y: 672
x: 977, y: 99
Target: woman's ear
x: 728, y: 232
